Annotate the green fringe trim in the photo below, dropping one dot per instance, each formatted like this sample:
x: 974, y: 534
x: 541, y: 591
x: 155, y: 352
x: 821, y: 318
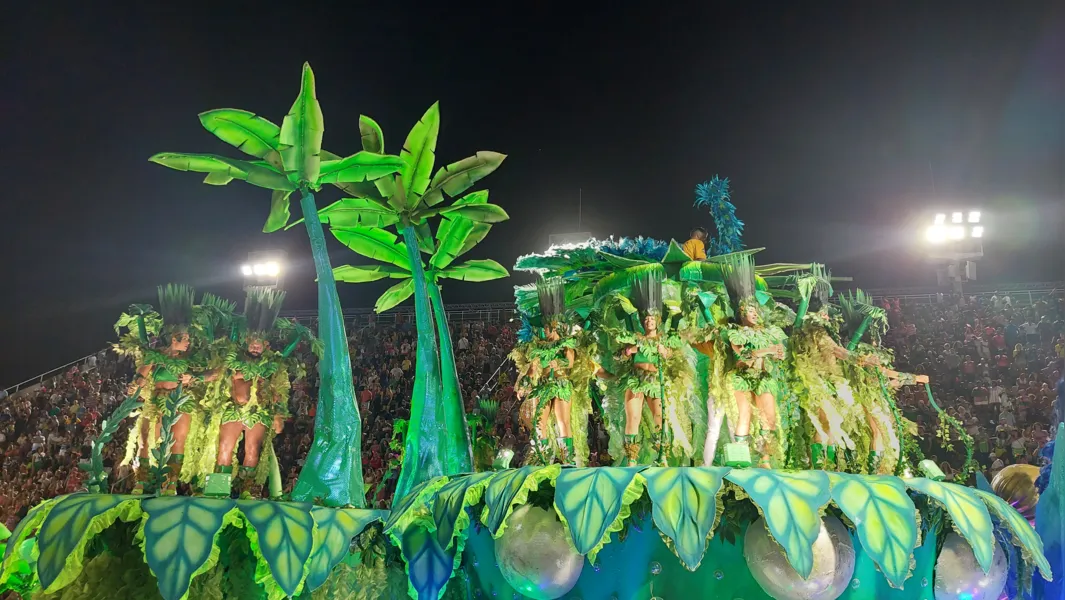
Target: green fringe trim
x: 128, y: 510
x: 473, y: 495
x: 417, y: 512
x: 632, y: 493
x: 532, y: 483
x: 23, y: 531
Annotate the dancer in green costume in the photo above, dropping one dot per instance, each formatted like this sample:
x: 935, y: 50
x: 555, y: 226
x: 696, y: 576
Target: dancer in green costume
x: 551, y: 359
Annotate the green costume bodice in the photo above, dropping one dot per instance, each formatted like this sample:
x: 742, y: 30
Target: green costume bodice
x: 745, y: 341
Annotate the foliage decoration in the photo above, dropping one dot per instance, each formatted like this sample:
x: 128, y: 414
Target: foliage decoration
x: 686, y: 507
x: 968, y: 515
x: 884, y: 514
x: 282, y: 535
x: 511, y: 488
x: 334, y: 530
x: 450, y: 504
x: 594, y: 502
x: 180, y: 539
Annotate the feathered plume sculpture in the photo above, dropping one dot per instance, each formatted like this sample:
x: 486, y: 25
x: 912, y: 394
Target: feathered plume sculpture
x: 714, y: 194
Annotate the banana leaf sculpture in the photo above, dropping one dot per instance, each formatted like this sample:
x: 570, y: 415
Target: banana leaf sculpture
x: 290, y: 160
x: 438, y: 441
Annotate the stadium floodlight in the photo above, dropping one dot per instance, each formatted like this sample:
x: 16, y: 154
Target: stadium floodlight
x: 247, y: 270
x: 955, y: 217
x: 978, y: 231
x: 974, y: 216
x: 957, y: 233
x: 941, y: 218
x: 264, y: 270
x: 936, y: 234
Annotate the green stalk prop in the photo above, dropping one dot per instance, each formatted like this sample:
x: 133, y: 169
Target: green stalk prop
x: 276, y: 487
x: 425, y: 454
x: 804, y: 305
x: 460, y: 451
x: 333, y: 470
x: 970, y: 465
x: 857, y: 337
x: 97, y: 482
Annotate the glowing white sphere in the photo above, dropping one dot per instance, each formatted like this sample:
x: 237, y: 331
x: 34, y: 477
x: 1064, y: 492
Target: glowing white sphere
x: 833, y: 554
x: 535, y: 555
x: 959, y: 576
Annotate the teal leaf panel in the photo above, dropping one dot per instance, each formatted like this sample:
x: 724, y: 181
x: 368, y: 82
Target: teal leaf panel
x: 685, y: 507
x: 593, y: 502
x: 416, y: 498
x: 1023, y: 535
x: 791, y: 504
x: 64, y: 531
x: 508, y: 488
x: 429, y: 567
x: 968, y: 514
x: 179, y: 533
x: 285, y: 532
x: 449, y: 505
x: 885, y: 518
x: 28, y: 524
x: 336, y: 527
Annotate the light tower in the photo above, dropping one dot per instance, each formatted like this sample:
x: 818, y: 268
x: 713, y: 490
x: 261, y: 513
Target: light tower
x: 264, y: 269
x: 955, y: 244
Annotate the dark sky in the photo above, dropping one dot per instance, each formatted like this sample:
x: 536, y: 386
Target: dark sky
x: 831, y: 121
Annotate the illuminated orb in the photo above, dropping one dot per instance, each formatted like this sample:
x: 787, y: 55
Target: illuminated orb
x: 1016, y: 484
x: 959, y: 576
x: 833, y: 563
x: 535, y: 555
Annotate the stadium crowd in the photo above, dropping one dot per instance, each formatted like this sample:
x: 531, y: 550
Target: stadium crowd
x: 994, y: 366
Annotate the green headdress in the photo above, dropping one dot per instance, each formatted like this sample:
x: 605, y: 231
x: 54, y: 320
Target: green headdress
x: 175, y: 306
x: 737, y: 270
x: 551, y: 294
x: 647, y: 290
x: 215, y: 314
x: 860, y: 317
x: 261, y: 308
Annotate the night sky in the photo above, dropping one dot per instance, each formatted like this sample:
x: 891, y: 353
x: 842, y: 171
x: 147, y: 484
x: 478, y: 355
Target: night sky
x: 840, y: 128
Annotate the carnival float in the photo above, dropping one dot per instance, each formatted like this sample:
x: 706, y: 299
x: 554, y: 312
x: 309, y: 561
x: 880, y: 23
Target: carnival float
x: 755, y: 446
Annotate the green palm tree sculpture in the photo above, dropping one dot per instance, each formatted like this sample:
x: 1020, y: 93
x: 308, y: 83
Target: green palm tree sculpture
x: 290, y: 160
x: 438, y: 440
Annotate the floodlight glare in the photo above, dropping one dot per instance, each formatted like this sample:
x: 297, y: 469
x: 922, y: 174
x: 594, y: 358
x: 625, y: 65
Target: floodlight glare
x: 957, y: 233
x: 978, y: 231
x: 936, y: 234
x: 246, y: 269
x: 956, y: 217
x: 974, y: 216
x: 272, y: 269
x: 941, y: 218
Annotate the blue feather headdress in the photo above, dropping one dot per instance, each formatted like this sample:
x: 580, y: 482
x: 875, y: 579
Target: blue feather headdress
x: 714, y: 194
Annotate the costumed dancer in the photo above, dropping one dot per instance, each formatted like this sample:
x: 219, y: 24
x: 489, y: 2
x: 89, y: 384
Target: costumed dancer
x: 552, y: 358
x: 259, y: 389
x: 757, y: 351
x: 705, y: 314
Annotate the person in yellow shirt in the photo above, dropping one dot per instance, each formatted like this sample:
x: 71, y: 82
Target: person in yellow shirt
x: 695, y: 247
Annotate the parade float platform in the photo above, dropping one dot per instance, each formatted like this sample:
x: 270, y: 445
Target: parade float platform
x: 633, y: 532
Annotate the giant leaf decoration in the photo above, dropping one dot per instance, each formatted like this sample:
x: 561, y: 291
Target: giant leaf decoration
x: 449, y: 505
x: 361, y: 166
x: 28, y: 523
x: 373, y: 139
x: 357, y: 212
x: 791, y: 505
x: 480, y: 213
x: 394, y: 295
x: 279, y: 213
x: 685, y: 507
x: 61, y: 539
x: 968, y: 513
x: 451, y: 236
x: 377, y: 244
x: 477, y: 234
x: 429, y: 567
x: 301, y: 133
x: 460, y: 176
x: 593, y: 503
x: 335, y: 528
x: 254, y: 173
x: 419, y: 153
x: 509, y: 488
x: 476, y: 270
x: 367, y: 273
x: 247, y: 131
x: 1024, y: 536
x: 179, y: 533
x: 404, y: 510
x: 284, y: 532
x: 884, y: 516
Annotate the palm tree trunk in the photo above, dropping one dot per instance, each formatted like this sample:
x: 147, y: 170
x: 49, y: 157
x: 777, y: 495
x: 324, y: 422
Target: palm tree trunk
x: 460, y: 455
x: 332, y: 474
x: 424, y: 450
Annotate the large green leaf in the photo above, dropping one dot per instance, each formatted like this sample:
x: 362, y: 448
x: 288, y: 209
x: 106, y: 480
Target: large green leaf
x: 1023, y: 535
x: 247, y: 131
x: 885, y: 517
x: 685, y: 507
x: 476, y: 271
x: 179, y: 533
x: 791, y: 504
x: 509, y: 488
x: 27, y: 525
x: 419, y: 154
x: 424, y: 234
x: 429, y: 567
x: 335, y: 528
x: 394, y: 295
x: 460, y: 176
x: 373, y: 139
x: 301, y: 133
x: 219, y: 166
x: 593, y: 503
x: 968, y: 513
x: 361, y: 166
x: 451, y: 236
x: 357, y: 189
x: 404, y: 510
x: 279, y: 213
x: 368, y: 273
x: 61, y: 539
x: 284, y: 532
x: 449, y: 506
x: 357, y: 212
x: 480, y: 213
x: 377, y: 244
x: 477, y: 234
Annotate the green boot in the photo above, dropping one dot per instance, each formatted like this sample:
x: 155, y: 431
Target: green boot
x: 817, y: 456
x: 246, y: 484
x: 661, y: 459
x: 738, y: 452
x: 632, y: 451
x: 142, y: 478
x: 173, y: 472
x: 220, y: 483
x: 831, y: 464
x: 565, y: 446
